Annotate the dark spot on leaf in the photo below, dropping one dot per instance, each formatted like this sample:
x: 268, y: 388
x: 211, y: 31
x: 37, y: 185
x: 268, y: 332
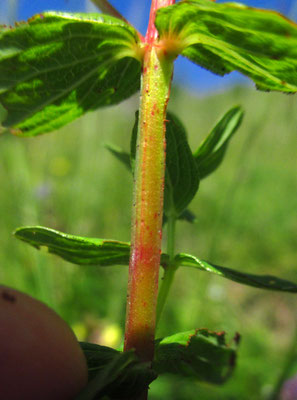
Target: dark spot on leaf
x: 8, y: 297
x: 284, y: 82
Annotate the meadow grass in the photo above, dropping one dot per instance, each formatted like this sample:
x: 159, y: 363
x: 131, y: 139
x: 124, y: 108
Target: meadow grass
x: 246, y: 219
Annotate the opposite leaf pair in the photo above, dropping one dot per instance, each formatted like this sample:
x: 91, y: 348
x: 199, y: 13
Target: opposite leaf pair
x: 102, y: 252
x: 67, y: 64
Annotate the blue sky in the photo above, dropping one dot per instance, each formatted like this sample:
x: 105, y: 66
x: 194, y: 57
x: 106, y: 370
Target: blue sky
x: 137, y: 11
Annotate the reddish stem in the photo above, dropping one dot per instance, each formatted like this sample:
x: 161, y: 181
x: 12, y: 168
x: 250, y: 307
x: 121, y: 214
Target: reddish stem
x: 152, y: 33
x: 148, y: 196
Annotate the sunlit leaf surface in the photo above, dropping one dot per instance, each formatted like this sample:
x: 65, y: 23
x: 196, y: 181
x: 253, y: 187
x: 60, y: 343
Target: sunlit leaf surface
x: 58, y: 66
x: 230, y: 36
x: 76, y: 249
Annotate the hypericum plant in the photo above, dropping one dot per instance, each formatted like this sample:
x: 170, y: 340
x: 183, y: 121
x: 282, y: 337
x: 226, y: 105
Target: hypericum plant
x: 58, y: 66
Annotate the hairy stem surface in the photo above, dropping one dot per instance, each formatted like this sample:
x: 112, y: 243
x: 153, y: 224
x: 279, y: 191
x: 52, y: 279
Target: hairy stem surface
x: 148, y: 195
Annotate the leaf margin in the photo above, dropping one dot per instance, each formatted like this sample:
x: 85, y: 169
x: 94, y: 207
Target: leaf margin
x: 268, y: 282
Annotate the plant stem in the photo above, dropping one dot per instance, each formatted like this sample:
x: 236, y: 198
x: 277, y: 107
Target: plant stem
x: 170, y: 268
x: 148, y: 196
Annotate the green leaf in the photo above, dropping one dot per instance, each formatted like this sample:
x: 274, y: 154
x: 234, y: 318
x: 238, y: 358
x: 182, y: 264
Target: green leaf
x: 58, y: 66
x: 200, y: 354
x: 133, y: 142
x: 188, y: 215
x: 76, y: 249
x: 260, y: 281
x: 114, y: 374
x: 210, y: 153
x: 181, y: 173
x: 120, y: 154
x: 97, y: 357
x: 230, y: 36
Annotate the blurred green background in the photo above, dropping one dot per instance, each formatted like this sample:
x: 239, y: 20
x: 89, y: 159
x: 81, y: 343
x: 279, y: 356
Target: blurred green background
x: 246, y: 220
